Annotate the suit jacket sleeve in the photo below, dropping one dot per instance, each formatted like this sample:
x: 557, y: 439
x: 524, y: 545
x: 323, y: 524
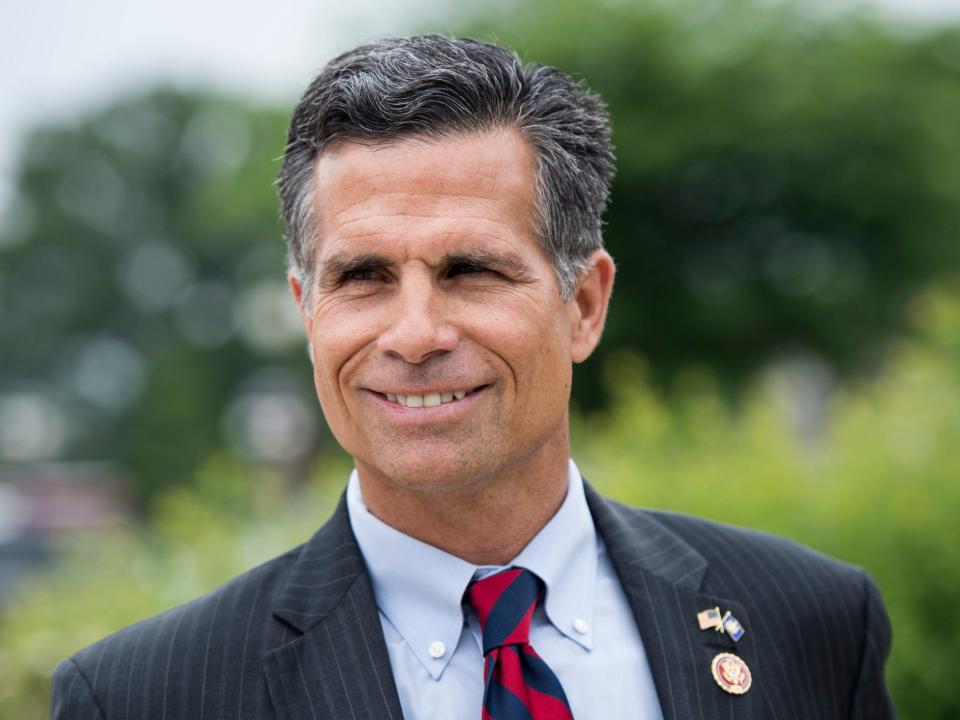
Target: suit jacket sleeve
x: 72, y: 697
x: 871, y: 700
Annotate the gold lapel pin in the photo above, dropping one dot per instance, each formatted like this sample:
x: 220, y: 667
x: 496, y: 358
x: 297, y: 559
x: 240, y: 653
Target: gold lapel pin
x: 731, y: 673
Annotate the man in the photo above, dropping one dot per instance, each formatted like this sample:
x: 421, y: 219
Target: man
x: 443, y: 208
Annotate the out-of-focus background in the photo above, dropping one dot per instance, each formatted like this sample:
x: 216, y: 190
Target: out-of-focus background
x: 783, y: 349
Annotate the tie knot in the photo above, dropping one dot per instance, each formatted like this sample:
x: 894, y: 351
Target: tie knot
x: 505, y: 603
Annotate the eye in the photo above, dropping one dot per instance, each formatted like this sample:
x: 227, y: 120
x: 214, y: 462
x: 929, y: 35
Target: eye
x: 466, y: 268
x: 358, y: 275
x: 362, y: 275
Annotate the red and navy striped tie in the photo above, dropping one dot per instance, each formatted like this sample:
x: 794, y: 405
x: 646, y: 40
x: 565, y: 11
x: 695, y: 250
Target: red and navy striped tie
x: 517, y: 684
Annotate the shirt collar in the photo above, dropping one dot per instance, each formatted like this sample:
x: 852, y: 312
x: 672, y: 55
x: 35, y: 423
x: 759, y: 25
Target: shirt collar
x: 564, y: 555
x: 419, y: 588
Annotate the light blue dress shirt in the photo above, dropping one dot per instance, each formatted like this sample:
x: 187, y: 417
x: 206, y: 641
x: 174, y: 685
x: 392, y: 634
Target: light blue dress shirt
x: 584, y: 630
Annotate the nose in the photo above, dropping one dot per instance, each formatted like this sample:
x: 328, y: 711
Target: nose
x: 419, y: 328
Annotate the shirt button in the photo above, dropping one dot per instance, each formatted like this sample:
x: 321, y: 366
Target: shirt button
x: 581, y: 626
x: 437, y: 649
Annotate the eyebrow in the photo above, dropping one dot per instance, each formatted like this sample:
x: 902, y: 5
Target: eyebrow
x: 341, y: 265
x: 504, y: 262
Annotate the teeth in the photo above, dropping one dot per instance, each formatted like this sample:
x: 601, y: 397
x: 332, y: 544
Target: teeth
x: 429, y: 400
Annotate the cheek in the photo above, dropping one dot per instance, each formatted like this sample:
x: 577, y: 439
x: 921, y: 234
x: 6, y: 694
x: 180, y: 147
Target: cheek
x: 538, y: 353
x: 336, y: 342
x: 322, y: 380
x: 552, y: 372
x: 543, y: 393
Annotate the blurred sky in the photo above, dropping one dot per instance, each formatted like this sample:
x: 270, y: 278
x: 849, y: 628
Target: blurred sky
x: 61, y: 57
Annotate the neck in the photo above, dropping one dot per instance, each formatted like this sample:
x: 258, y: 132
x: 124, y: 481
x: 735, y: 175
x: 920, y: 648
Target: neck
x: 484, y: 520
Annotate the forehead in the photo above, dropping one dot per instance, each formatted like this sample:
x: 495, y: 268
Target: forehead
x: 426, y: 191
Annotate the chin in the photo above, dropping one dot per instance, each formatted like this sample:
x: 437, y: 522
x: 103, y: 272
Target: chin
x: 434, y: 471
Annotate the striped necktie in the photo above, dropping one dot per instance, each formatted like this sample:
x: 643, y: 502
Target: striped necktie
x: 517, y: 684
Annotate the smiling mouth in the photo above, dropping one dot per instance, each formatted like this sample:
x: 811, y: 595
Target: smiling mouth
x: 431, y: 399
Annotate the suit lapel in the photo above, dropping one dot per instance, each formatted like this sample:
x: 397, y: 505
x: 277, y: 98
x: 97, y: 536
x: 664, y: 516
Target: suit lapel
x: 662, y: 575
x: 337, y: 665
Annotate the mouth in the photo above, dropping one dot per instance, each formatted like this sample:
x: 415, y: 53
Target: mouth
x: 433, y: 399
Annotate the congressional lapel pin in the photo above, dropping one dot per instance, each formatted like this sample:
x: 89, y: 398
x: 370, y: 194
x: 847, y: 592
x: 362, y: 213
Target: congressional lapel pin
x: 731, y: 673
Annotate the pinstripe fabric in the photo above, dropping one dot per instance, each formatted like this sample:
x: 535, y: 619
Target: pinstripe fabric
x: 817, y: 635
x: 299, y: 637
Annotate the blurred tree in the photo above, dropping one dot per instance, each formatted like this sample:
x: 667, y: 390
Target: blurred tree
x: 785, y: 181
x: 146, y: 315
x: 878, y: 488
x: 788, y: 176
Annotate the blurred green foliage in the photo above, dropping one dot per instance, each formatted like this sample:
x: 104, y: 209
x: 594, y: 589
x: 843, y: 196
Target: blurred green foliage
x: 787, y: 178
x: 877, y: 486
x: 142, y: 286
x: 229, y: 519
x: 788, y: 172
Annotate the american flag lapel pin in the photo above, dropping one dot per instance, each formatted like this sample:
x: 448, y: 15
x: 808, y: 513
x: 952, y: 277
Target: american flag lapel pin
x: 712, y: 618
x: 709, y: 618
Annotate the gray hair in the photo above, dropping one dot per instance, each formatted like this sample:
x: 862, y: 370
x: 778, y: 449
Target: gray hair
x: 436, y: 87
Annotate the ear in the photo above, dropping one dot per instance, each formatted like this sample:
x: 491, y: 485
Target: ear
x: 296, y: 289
x: 588, y: 306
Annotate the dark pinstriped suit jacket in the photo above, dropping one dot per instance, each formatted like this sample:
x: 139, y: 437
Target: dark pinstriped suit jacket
x: 299, y: 637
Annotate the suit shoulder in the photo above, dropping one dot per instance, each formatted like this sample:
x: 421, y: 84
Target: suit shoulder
x: 711, y: 538
x: 814, y: 601
x: 233, y: 606
x: 739, y: 555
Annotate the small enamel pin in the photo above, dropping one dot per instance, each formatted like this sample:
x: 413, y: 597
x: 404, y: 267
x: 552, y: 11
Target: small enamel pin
x: 711, y: 618
x: 731, y: 673
x: 732, y: 626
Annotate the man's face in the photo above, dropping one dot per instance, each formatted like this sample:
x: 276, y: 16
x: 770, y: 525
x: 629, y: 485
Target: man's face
x: 441, y: 346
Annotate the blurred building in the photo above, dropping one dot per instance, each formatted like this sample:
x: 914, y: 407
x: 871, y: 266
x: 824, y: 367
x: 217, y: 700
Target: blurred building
x: 45, y: 503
